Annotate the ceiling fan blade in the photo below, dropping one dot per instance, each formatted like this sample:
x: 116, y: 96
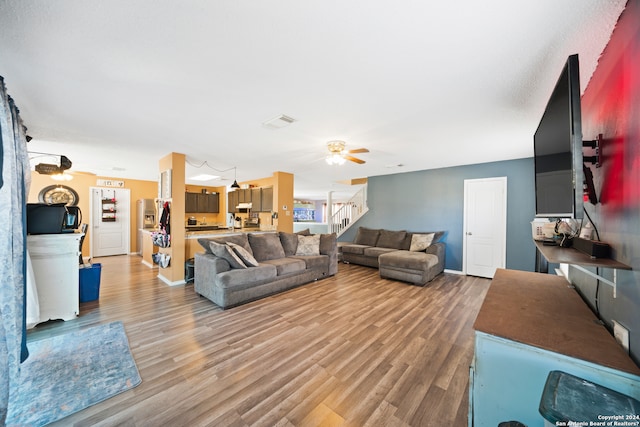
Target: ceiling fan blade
x: 358, y: 150
x: 354, y: 159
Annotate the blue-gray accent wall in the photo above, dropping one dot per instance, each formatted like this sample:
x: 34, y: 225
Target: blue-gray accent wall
x: 433, y: 200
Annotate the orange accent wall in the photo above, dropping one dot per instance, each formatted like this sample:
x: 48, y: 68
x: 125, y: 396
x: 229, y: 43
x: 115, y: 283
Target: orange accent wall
x: 81, y: 184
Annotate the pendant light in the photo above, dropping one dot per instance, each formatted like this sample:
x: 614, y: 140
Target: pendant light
x: 235, y: 178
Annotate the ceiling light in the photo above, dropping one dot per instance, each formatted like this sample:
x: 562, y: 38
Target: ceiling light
x: 235, y: 178
x: 62, y: 176
x: 204, y: 177
x: 335, y: 159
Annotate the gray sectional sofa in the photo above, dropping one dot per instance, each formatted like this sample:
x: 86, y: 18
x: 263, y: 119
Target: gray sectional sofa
x: 414, y: 257
x: 239, y: 268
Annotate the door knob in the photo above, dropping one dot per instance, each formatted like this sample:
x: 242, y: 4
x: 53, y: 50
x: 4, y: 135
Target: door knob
x: 468, y: 233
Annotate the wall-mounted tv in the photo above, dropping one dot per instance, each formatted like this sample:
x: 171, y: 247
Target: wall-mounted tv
x: 558, y: 149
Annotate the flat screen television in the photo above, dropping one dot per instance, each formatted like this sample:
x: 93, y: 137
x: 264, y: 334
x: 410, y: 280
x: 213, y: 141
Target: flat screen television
x: 557, y: 146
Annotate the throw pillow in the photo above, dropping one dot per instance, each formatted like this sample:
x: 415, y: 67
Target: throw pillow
x: 244, y: 255
x: 366, y: 236
x: 420, y: 242
x: 308, y: 245
x: 225, y: 252
x: 289, y: 242
x: 305, y: 232
x: 266, y: 246
x: 391, y: 239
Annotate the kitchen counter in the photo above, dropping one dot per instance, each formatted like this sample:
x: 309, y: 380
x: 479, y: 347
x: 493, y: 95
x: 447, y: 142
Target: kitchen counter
x: 191, y: 239
x: 204, y: 227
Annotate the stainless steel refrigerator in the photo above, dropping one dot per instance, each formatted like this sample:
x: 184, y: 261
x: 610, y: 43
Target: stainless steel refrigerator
x: 147, y: 218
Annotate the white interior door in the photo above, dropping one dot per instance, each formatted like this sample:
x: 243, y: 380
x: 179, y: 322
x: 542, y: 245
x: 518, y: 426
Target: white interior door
x: 110, y: 221
x: 485, y: 225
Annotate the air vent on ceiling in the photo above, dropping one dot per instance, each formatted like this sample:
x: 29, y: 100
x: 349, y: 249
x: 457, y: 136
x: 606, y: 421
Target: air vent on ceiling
x: 278, y: 122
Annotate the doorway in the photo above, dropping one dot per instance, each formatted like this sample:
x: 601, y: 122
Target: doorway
x: 485, y: 226
x: 110, y: 221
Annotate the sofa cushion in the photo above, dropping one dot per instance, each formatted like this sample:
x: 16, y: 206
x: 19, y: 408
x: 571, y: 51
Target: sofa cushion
x: 225, y: 252
x: 328, y: 242
x: 391, y: 239
x: 420, y: 242
x: 287, y: 265
x: 376, y: 251
x: 244, y: 255
x: 316, y: 262
x: 289, y: 242
x: 354, y: 249
x: 247, y: 278
x: 305, y: 232
x: 367, y: 236
x: 308, y: 245
x: 420, y: 261
x: 266, y: 246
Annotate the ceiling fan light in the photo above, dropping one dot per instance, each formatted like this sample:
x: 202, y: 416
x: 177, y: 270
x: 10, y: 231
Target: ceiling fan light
x: 335, y: 159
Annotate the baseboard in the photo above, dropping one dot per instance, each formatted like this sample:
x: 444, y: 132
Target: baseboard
x: 454, y: 272
x: 148, y: 264
x: 170, y: 283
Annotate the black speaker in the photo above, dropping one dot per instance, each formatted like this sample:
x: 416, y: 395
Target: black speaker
x: 592, y: 248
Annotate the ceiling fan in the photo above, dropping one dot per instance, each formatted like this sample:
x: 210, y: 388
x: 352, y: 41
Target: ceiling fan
x: 338, y: 155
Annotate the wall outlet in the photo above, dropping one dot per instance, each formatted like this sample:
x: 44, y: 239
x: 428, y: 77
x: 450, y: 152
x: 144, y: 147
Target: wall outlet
x: 621, y: 334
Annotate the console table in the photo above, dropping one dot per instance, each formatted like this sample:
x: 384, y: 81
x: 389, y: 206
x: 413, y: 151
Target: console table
x: 55, y: 267
x: 530, y: 324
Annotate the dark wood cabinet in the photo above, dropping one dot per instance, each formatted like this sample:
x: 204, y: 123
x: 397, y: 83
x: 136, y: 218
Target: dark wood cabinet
x: 201, y: 203
x: 256, y: 199
x: 191, y: 202
x: 267, y: 199
x: 232, y: 201
x: 213, y: 203
x: 244, y: 195
x: 261, y: 199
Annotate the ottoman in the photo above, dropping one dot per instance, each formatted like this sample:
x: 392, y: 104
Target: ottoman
x: 413, y: 267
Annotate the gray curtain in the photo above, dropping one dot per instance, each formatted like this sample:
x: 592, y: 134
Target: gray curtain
x: 14, y: 188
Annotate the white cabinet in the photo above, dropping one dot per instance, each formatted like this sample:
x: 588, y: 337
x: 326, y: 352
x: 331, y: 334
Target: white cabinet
x: 55, y: 267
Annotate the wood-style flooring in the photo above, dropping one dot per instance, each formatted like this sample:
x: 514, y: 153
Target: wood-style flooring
x: 350, y: 350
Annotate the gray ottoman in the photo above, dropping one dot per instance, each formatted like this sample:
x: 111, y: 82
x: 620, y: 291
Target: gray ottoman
x: 413, y: 267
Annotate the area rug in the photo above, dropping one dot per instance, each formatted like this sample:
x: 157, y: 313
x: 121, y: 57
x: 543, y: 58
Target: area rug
x: 71, y: 372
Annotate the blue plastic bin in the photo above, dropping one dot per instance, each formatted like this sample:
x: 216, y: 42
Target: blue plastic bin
x: 90, y: 282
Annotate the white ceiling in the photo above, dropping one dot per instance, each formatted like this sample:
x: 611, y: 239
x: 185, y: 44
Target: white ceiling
x: 116, y: 85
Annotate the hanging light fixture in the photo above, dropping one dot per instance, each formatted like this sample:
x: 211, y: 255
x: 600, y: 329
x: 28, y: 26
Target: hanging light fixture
x: 336, y: 153
x: 235, y: 178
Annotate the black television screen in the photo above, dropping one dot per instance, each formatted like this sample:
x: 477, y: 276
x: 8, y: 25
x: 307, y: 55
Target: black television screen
x: 558, y: 149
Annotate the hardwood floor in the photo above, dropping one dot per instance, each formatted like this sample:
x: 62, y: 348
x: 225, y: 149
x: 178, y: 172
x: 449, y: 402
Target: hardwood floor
x: 351, y: 350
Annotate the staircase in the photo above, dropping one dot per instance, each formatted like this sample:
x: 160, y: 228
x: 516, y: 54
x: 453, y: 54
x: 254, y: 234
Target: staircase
x: 350, y: 212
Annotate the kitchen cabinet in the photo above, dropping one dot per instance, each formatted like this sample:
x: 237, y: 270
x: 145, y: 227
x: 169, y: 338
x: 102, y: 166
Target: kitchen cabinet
x: 191, y: 202
x: 256, y: 199
x: 267, y: 199
x: 261, y: 199
x: 213, y: 203
x: 201, y: 203
x: 244, y: 195
x: 232, y: 201
x: 529, y: 325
